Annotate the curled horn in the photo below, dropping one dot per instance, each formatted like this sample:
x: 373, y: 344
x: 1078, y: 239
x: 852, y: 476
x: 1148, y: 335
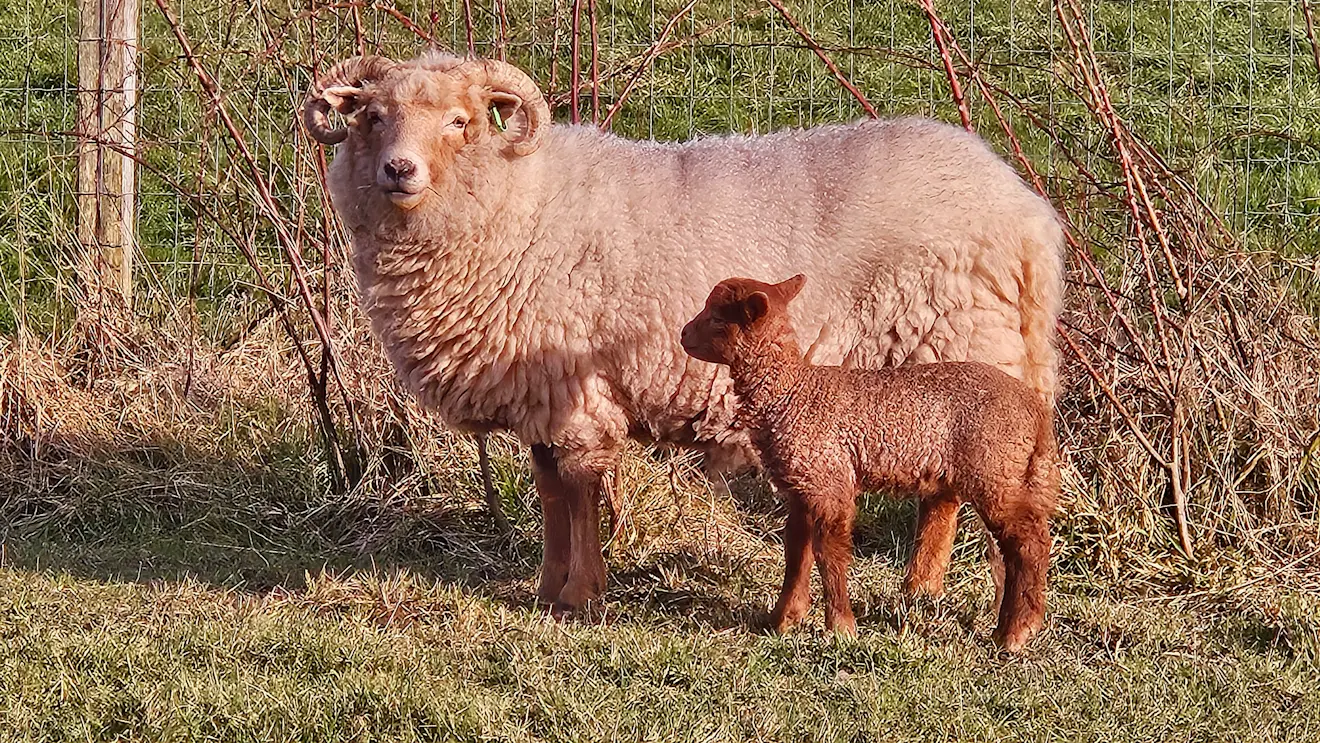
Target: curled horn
x: 504, y: 77
x: 352, y: 73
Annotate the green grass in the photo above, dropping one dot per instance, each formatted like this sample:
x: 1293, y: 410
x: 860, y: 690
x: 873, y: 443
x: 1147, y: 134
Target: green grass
x: 161, y: 592
x: 189, y: 576
x: 394, y: 654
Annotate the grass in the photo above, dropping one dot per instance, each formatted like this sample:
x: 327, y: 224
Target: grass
x: 397, y: 653
x: 195, y: 581
x: 174, y: 566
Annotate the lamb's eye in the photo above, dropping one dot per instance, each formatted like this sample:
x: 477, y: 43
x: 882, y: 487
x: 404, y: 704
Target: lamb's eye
x: 459, y: 122
x: 373, y: 117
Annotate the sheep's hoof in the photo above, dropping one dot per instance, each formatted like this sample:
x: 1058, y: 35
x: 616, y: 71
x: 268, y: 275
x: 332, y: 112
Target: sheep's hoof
x: 552, y: 584
x: 844, y: 627
x: 576, y: 595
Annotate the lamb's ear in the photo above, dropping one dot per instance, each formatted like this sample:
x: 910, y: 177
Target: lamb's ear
x: 755, y: 306
x: 789, y: 288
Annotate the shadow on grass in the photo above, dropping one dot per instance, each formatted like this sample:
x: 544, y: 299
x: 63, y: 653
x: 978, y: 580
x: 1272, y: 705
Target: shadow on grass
x: 884, y: 527
x: 164, y: 512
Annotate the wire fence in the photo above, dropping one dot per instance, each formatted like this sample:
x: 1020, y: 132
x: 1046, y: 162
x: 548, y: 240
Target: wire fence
x: 1177, y: 138
x: 1226, y: 90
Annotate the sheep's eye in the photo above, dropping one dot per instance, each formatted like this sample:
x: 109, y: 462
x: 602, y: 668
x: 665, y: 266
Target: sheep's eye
x: 373, y: 117
x: 459, y: 122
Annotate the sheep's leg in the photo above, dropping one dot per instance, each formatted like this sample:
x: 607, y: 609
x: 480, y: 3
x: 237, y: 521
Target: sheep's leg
x: 1024, y: 539
x: 554, y: 496
x: 795, y: 597
x: 586, y: 567
x: 832, y: 543
x: 937, y: 524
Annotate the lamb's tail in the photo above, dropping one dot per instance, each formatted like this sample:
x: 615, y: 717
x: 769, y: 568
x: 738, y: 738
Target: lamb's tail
x: 1043, y: 469
x: 1040, y: 302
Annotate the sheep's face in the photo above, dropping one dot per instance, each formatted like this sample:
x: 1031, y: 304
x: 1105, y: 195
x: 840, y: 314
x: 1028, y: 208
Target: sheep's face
x: 408, y: 124
x: 737, y: 312
x: 410, y: 128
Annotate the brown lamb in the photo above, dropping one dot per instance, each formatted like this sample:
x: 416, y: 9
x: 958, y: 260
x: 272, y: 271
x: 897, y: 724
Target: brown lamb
x: 946, y: 432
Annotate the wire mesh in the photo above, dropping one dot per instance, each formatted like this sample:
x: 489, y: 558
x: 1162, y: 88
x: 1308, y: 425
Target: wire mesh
x: 1226, y: 90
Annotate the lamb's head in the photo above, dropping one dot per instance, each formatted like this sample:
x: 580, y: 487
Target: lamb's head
x: 409, y: 122
x: 740, y: 313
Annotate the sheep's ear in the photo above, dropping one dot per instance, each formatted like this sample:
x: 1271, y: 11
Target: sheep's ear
x: 344, y: 98
x: 789, y: 288
x: 754, y: 307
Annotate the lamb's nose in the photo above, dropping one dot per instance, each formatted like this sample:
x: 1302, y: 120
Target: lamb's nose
x: 399, y: 168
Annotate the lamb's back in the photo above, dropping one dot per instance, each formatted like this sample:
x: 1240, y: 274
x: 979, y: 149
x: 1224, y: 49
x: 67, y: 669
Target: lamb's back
x: 915, y: 427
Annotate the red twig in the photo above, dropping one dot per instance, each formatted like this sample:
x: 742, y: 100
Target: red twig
x: 937, y: 31
x: 1310, y: 33
x: 576, y: 72
x: 650, y: 55
x: 406, y: 22
x: 356, y: 10
x: 595, y: 63
x: 1109, y: 393
x: 829, y: 63
x: 501, y: 39
x: 467, y: 24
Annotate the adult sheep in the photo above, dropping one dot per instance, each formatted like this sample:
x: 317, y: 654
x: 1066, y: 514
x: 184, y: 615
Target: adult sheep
x: 534, y: 276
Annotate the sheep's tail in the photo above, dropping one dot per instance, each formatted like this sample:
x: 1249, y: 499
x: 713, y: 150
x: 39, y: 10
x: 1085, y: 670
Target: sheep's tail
x: 1040, y: 302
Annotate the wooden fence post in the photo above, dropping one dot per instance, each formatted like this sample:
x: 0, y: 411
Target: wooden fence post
x: 107, y: 142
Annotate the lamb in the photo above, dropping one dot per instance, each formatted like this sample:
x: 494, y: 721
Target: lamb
x: 531, y: 276
x: 948, y: 433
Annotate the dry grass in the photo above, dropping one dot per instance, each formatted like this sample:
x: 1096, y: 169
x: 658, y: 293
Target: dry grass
x: 234, y: 474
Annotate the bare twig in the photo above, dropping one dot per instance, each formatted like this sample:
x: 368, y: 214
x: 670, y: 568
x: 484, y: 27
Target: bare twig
x: 267, y: 202
x: 937, y: 31
x: 595, y: 63
x: 493, y: 503
x: 408, y: 23
x: 829, y: 63
x: 649, y: 56
x: 575, y: 80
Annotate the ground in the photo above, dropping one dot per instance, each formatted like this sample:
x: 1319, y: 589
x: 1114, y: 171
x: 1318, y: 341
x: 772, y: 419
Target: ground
x: 254, y: 620
x: 176, y: 565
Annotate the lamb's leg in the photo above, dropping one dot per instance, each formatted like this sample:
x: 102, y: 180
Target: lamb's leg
x: 996, y: 559
x: 585, y: 476
x: 795, y: 597
x: 1024, y: 539
x: 937, y: 524
x: 832, y: 543
x: 554, y: 496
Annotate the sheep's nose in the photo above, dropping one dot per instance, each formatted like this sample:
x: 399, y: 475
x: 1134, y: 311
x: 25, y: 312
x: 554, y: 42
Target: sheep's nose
x: 400, y: 168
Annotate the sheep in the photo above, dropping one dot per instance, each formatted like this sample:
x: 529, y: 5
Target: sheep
x: 947, y: 433
x: 529, y: 276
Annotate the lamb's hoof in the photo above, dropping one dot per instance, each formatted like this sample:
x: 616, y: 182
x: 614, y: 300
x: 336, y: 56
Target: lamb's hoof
x: 845, y: 628
x: 1014, y: 642
x: 771, y: 624
x: 561, y: 611
x: 929, y: 587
